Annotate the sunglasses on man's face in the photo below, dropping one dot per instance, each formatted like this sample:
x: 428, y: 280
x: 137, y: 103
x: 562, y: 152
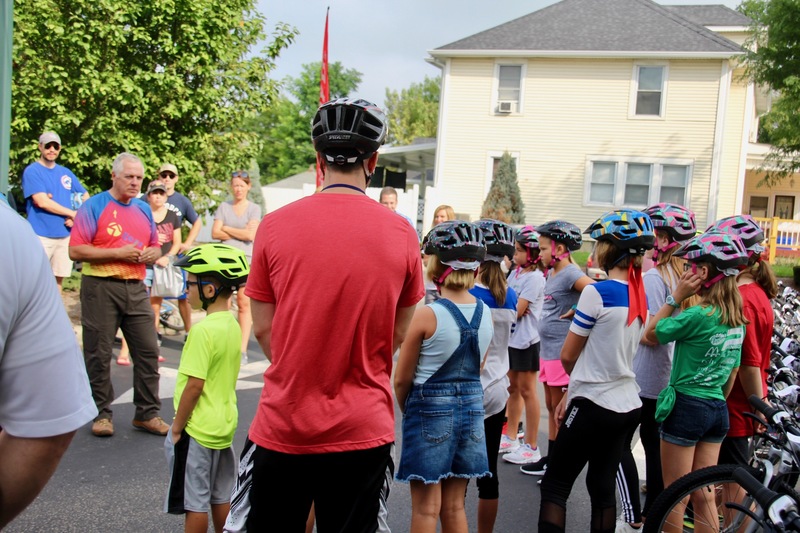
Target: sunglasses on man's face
x: 167, y: 175
x: 52, y: 145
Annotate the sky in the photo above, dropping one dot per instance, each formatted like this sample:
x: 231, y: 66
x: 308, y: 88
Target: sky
x: 388, y: 40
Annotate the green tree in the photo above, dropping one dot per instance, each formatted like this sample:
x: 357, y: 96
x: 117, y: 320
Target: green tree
x: 773, y: 60
x: 413, y: 112
x: 504, y: 200
x: 168, y: 80
x: 285, y: 128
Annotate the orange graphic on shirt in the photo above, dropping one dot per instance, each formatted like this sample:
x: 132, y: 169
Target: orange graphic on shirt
x: 114, y: 229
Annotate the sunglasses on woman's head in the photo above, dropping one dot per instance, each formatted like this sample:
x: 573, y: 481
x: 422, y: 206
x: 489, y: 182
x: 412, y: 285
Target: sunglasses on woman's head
x: 240, y: 174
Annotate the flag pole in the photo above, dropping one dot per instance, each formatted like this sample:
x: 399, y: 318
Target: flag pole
x: 324, y: 85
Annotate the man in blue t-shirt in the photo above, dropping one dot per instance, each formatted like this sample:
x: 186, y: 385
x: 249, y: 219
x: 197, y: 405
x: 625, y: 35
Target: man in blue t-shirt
x: 181, y: 206
x: 52, y: 196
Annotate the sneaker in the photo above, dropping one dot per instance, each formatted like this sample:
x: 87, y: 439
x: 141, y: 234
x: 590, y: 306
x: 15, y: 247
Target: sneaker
x: 523, y: 455
x: 102, y: 427
x: 155, y: 425
x: 624, y: 527
x: 520, y: 431
x: 535, y: 469
x: 508, y: 445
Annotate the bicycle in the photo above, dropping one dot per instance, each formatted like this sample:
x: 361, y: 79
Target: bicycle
x: 170, y: 317
x: 720, y: 502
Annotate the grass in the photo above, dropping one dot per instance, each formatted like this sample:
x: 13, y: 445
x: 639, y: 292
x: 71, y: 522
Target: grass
x: 73, y: 283
x: 580, y: 257
x: 784, y: 266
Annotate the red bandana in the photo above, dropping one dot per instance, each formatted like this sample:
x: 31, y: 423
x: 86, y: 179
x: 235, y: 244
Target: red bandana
x: 637, y: 301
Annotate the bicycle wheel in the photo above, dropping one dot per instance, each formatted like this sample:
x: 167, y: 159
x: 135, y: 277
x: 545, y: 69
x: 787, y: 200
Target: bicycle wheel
x: 696, y: 502
x: 170, y: 316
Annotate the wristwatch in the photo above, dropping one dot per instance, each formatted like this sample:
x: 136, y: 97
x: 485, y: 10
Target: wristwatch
x: 671, y: 301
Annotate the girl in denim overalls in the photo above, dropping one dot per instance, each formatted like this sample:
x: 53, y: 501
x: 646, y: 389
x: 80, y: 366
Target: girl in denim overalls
x: 437, y: 383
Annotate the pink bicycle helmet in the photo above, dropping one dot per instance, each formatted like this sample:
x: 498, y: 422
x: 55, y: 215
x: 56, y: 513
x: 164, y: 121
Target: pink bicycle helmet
x: 723, y: 250
x: 744, y: 227
x: 675, y: 220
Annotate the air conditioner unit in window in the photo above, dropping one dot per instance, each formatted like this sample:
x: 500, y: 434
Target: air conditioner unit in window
x: 505, y: 107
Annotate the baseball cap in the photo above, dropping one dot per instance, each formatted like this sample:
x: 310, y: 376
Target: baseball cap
x: 156, y: 186
x: 168, y: 167
x: 49, y: 137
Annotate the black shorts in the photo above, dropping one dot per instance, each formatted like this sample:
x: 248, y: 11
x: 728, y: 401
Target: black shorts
x: 525, y: 360
x: 735, y: 451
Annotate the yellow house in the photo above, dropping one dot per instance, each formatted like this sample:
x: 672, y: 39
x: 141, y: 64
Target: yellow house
x: 603, y: 104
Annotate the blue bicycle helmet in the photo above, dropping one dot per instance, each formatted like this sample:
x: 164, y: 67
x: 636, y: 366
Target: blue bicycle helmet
x: 625, y: 228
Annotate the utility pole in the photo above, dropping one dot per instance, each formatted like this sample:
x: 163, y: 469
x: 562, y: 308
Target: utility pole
x: 7, y: 28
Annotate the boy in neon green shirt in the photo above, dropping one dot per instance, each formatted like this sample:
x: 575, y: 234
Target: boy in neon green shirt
x: 199, y: 445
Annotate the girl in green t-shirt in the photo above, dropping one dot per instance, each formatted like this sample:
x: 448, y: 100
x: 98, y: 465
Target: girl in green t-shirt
x: 708, y: 341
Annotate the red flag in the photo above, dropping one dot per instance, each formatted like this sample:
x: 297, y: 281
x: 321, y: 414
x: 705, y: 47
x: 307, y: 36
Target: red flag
x: 324, y: 86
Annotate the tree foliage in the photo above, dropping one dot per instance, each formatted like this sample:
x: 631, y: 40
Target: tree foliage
x: 168, y: 80
x: 504, y: 200
x: 285, y: 128
x: 773, y: 60
x: 413, y: 112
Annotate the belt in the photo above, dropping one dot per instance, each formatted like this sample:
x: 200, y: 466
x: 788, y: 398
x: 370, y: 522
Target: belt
x: 118, y: 280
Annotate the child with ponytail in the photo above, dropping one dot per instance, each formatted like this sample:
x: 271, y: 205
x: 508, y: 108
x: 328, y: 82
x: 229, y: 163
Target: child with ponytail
x: 491, y: 288
x: 757, y: 286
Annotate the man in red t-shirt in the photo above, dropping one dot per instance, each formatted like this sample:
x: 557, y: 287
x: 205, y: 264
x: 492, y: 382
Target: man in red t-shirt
x: 334, y: 282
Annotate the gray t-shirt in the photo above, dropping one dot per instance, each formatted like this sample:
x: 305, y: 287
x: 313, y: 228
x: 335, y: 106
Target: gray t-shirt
x: 559, y: 297
x: 652, y: 364
x: 228, y: 217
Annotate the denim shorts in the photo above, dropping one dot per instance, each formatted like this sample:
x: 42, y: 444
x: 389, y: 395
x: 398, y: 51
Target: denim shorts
x: 694, y: 420
x: 443, y: 434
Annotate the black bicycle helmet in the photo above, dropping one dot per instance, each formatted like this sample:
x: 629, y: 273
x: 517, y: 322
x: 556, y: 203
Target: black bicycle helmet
x: 457, y: 243
x: 562, y: 231
x: 673, y: 219
x: 349, y: 123
x: 498, y: 236
x: 226, y: 264
x: 625, y: 228
x: 723, y: 250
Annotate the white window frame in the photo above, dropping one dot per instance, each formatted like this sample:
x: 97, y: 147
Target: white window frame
x: 635, y: 90
x: 490, y: 157
x: 620, y: 179
x: 496, y: 86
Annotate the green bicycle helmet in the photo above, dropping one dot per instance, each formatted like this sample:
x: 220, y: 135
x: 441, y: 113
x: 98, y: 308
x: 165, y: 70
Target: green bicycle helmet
x: 226, y: 264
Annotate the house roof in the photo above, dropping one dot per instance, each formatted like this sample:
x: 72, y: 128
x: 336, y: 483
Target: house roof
x: 711, y: 15
x: 618, y: 27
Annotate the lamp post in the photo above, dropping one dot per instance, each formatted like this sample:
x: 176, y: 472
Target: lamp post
x: 6, y: 29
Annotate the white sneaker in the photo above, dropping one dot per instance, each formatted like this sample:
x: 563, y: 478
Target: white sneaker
x: 624, y: 527
x: 523, y: 455
x: 507, y: 445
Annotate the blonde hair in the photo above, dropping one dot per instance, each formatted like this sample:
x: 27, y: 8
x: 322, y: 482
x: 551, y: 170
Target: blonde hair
x: 607, y: 254
x: 724, y: 296
x: 493, y: 277
x: 456, y: 280
x: 451, y: 214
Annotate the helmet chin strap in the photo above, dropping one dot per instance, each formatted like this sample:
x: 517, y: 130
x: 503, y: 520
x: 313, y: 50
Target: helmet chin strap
x: 665, y: 249
x: 207, y: 301
x: 556, y: 258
